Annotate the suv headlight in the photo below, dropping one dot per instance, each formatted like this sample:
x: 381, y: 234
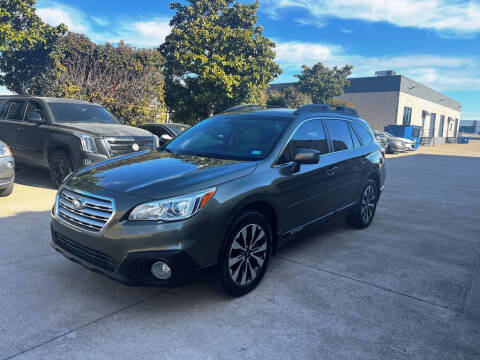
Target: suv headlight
x: 88, y: 143
x: 172, y: 209
x: 5, y: 151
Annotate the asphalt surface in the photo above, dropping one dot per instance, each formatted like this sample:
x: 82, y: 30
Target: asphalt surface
x: 408, y: 287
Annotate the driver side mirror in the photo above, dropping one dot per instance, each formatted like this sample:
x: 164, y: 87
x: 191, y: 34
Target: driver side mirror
x: 35, y: 117
x: 307, y: 156
x: 165, y: 138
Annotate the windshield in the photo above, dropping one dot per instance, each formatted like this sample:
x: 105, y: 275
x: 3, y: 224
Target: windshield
x: 388, y: 134
x: 230, y: 137
x: 84, y: 113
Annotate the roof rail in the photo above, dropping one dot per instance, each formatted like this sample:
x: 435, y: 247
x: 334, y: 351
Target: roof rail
x: 327, y: 108
x: 243, y: 108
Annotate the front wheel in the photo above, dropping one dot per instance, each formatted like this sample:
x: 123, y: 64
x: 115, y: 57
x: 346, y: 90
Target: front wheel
x: 362, y: 215
x: 246, y: 254
x: 60, y: 167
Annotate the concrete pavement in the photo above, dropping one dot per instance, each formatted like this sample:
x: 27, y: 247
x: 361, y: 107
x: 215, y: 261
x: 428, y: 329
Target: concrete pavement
x: 408, y: 287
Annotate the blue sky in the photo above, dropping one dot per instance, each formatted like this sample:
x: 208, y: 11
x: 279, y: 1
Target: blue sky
x: 435, y: 42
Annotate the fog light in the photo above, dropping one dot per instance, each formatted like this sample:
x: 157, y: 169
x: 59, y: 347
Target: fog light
x: 161, y: 270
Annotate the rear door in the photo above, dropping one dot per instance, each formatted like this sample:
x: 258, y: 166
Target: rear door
x: 348, y: 163
x: 35, y: 136
x: 306, y: 195
x: 11, y: 129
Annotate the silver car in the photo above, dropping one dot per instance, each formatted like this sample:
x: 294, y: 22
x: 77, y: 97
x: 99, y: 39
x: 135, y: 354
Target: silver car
x: 7, y: 170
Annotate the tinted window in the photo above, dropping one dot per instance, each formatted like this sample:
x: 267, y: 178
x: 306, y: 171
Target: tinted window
x: 15, y: 110
x: 310, y: 135
x: 339, y: 134
x: 34, y: 107
x: 364, y: 134
x: 231, y: 137
x: 85, y: 113
x: 178, y: 128
x: 356, y: 141
x: 2, y: 107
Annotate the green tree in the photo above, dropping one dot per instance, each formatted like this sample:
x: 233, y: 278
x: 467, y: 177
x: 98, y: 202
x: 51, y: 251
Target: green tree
x: 216, y: 57
x: 126, y: 80
x: 340, y: 102
x: 21, y: 28
x: 289, y: 97
x: 25, y: 42
x: 322, y: 83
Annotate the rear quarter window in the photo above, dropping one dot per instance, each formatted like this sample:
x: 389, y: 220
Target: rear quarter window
x: 363, y: 133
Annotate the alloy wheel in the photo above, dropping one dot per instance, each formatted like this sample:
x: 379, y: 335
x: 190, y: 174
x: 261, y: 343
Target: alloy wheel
x: 368, y: 203
x: 247, y: 254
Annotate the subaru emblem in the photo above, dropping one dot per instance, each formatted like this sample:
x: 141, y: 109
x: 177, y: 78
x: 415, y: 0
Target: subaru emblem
x: 77, y: 204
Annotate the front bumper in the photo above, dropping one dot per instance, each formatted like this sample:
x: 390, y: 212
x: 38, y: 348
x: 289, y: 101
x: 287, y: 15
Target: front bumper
x: 125, y: 250
x: 134, y: 270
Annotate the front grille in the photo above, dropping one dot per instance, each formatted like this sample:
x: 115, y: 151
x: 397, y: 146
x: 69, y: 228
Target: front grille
x: 121, y: 145
x: 91, y: 213
x: 85, y: 253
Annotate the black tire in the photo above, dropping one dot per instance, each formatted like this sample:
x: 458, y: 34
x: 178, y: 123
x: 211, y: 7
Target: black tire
x: 7, y: 191
x: 389, y: 150
x: 60, y: 167
x: 363, y: 214
x: 234, y: 261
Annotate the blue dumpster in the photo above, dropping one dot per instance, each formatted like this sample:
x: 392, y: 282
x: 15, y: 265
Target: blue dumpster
x: 411, y: 132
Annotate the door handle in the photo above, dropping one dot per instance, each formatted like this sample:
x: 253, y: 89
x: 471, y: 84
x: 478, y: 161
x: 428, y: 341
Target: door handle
x: 364, y: 161
x: 20, y: 128
x: 331, y: 170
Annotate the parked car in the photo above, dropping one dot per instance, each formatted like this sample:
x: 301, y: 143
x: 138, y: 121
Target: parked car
x: 165, y: 131
x: 64, y: 135
x: 7, y: 170
x: 224, y: 195
x: 390, y: 143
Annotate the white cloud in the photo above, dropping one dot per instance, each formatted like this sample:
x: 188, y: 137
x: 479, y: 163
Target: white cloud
x: 101, y: 29
x: 58, y: 14
x: 4, y: 91
x: 443, y: 73
x: 459, y: 17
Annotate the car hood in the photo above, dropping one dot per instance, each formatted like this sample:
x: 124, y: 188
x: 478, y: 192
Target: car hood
x: 100, y: 129
x: 154, y: 174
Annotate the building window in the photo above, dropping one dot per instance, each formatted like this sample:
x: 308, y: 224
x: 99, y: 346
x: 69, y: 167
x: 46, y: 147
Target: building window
x: 440, y: 128
x: 407, y: 115
x: 433, y: 118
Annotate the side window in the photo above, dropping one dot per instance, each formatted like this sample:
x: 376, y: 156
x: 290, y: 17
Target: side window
x: 339, y: 134
x: 14, y: 111
x: 309, y: 135
x: 33, y: 106
x: 364, y: 134
x: 356, y: 141
x: 2, y: 106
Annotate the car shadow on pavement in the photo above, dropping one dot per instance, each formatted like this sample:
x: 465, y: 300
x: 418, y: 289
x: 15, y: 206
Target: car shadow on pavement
x: 32, y: 176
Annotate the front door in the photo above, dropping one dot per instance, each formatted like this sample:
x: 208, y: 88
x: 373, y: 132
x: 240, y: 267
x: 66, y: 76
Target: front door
x: 305, y: 195
x: 33, y: 142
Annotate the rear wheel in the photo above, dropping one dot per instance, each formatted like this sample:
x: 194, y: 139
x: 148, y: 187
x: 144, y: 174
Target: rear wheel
x: 60, y: 167
x: 246, y: 254
x: 362, y: 215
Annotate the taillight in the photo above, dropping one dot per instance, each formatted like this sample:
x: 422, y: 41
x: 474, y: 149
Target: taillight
x: 382, y: 150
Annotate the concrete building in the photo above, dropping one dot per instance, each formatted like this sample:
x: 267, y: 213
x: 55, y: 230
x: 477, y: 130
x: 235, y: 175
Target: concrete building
x: 391, y: 99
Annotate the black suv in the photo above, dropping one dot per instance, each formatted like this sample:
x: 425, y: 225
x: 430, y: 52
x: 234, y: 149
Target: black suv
x: 223, y: 195
x: 64, y: 135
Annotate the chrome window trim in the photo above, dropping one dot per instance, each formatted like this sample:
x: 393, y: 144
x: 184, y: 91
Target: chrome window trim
x: 274, y: 164
x: 86, y: 193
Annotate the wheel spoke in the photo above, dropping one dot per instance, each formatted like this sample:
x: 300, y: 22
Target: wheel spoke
x: 234, y: 260
x: 247, y: 254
